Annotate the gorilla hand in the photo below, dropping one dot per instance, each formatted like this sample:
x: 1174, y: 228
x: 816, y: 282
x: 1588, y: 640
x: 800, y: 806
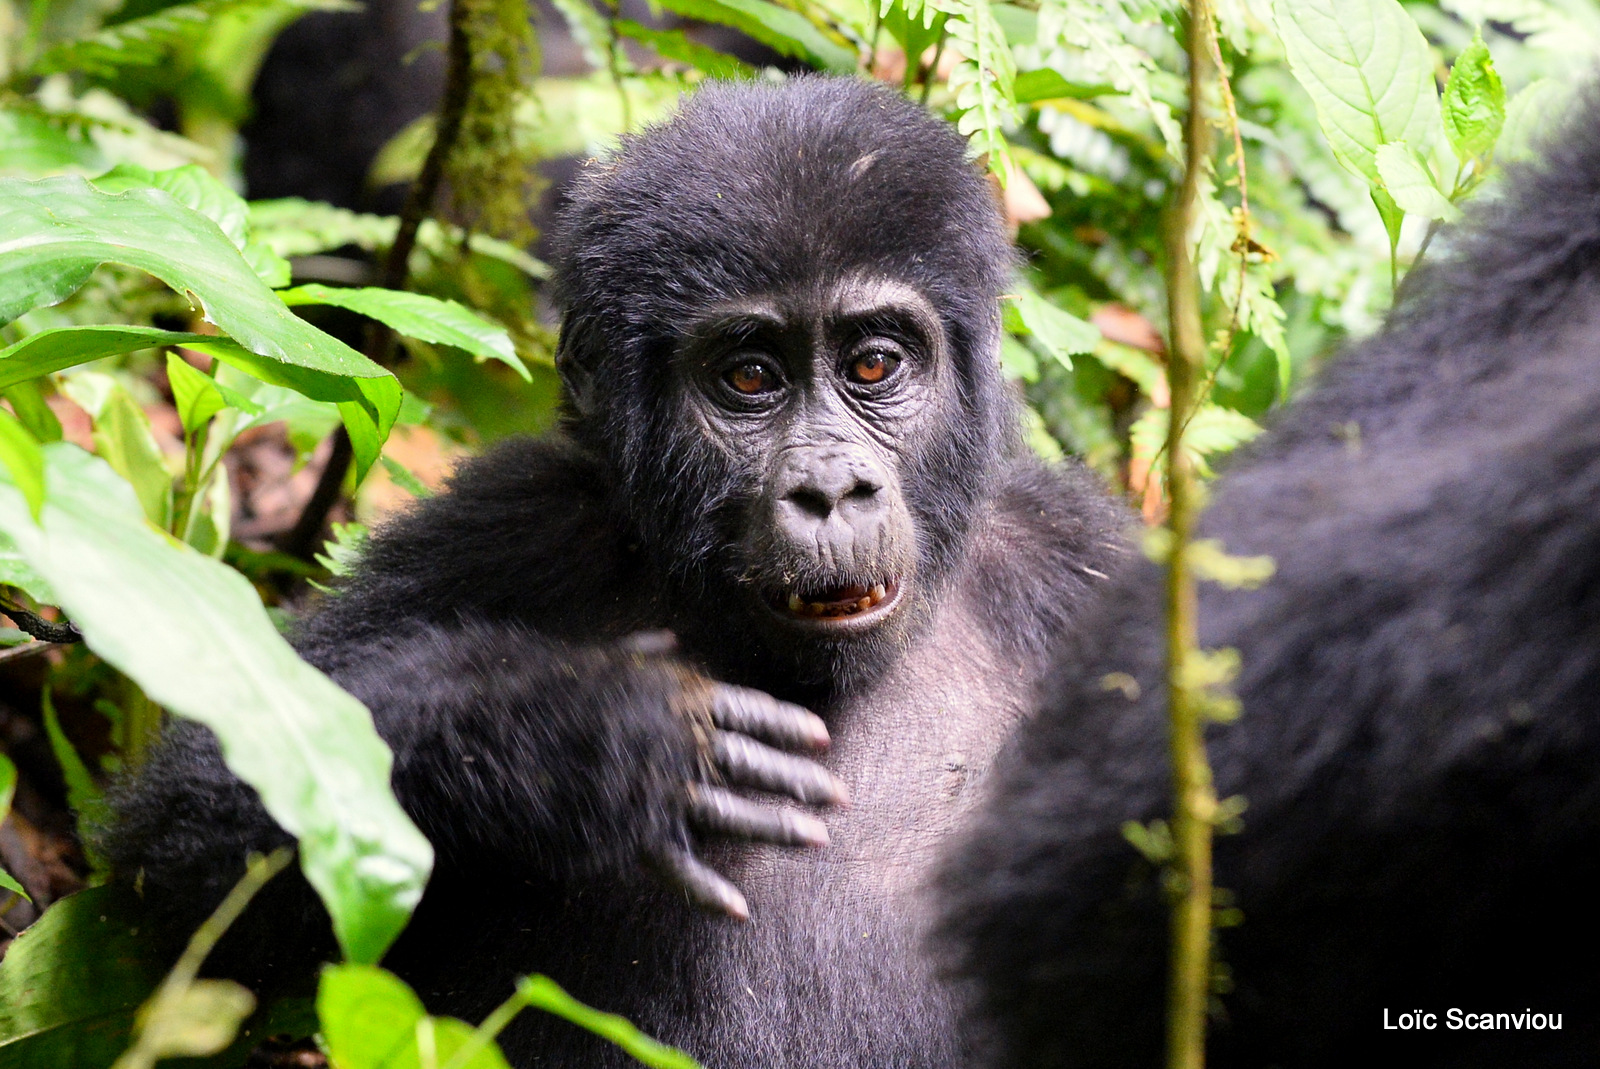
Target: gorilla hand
x: 735, y: 755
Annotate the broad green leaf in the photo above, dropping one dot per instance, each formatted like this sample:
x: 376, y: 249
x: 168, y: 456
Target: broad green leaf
x: 31, y: 145
x: 28, y: 402
x: 372, y: 1020
x: 1411, y: 185
x: 1060, y: 334
x: 419, y: 316
x: 193, y: 393
x: 72, y: 982
x: 19, y: 452
x: 1368, y: 71
x: 123, y: 438
x: 147, y: 41
x: 675, y: 46
x: 1047, y: 84
x: 59, y: 348
x: 295, y: 227
x: 543, y: 993
x: 368, y: 1016
x: 1474, y: 109
x: 192, y: 633
x: 194, y: 187
x: 786, y: 32
x: 54, y: 233
x: 8, y: 787
x: 17, y: 572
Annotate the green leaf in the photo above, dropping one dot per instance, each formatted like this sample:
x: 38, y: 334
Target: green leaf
x: 31, y: 408
x: 194, y: 393
x: 1368, y: 71
x: 404, y: 479
x: 295, y: 227
x: 150, y: 40
x: 123, y: 438
x: 1392, y: 215
x: 54, y: 233
x: 83, y: 794
x: 202, y: 1019
x: 1047, y: 84
x: 59, y: 348
x: 31, y: 145
x: 194, y: 187
x: 1474, y: 109
x: 419, y: 316
x: 72, y: 982
x: 372, y: 1020
x: 543, y: 993
x: 192, y: 633
x: 19, y: 452
x: 786, y: 32
x: 983, y: 81
x: 1410, y: 183
x: 368, y: 1015
x: 675, y: 45
x: 8, y: 787
x: 1060, y: 334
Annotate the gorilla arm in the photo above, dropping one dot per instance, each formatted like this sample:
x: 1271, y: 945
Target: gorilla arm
x: 563, y: 752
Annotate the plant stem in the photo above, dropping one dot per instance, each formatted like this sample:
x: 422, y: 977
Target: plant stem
x: 301, y: 541
x: 1194, y: 801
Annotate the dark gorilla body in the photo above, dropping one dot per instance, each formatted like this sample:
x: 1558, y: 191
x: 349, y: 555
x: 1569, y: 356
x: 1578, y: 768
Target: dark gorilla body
x: 788, y: 443
x: 1420, y: 742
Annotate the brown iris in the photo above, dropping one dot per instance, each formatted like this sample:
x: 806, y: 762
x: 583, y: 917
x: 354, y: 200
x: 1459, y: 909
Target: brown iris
x: 870, y: 368
x: 750, y: 378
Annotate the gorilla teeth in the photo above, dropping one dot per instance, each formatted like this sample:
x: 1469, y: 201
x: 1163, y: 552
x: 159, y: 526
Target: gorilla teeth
x: 845, y: 600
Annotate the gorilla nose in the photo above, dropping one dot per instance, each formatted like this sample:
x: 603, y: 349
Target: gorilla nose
x: 815, y: 484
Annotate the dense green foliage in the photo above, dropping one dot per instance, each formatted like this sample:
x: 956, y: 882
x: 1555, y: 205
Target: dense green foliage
x: 134, y: 278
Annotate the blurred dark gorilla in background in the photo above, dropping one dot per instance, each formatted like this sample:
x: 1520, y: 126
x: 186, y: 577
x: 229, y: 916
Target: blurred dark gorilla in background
x: 1420, y: 742
x: 786, y: 439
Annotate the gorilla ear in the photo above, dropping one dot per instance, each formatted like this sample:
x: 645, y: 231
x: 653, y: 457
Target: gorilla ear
x: 577, y: 378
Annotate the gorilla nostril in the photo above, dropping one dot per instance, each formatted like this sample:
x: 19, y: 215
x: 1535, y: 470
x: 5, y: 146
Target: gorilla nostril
x: 810, y: 500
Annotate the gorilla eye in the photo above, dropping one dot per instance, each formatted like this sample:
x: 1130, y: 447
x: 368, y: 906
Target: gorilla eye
x: 872, y: 367
x: 751, y: 379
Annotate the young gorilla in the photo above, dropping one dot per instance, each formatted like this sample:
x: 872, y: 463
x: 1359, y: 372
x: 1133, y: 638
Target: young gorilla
x: 1420, y: 743
x: 789, y: 443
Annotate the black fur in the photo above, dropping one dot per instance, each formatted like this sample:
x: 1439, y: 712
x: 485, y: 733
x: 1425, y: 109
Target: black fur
x: 487, y: 628
x: 1420, y: 742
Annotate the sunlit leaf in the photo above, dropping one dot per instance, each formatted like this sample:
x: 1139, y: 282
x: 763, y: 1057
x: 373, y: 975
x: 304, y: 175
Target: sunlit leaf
x: 786, y: 32
x: 1369, y: 73
x: 1474, y: 108
x: 419, y: 316
x: 55, y: 232
x: 1410, y: 184
x: 193, y: 634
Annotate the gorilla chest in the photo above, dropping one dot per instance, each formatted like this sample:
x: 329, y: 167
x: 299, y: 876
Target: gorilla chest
x: 913, y: 749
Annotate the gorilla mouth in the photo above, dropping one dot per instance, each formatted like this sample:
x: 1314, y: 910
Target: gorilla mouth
x: 855, y: 602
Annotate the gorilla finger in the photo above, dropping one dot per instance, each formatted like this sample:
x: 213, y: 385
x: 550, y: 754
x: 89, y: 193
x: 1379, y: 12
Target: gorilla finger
x: 713, y: 809
x: 755, y: 713
x: 748, y: 763
x: 702, y: 884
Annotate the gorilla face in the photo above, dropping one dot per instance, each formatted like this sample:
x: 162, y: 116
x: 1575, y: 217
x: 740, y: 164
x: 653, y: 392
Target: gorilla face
x: 813, y: 400
x: 784, y: 338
